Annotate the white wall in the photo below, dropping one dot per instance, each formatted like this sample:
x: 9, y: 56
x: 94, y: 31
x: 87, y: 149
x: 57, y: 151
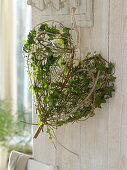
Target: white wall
x: 100, y: 142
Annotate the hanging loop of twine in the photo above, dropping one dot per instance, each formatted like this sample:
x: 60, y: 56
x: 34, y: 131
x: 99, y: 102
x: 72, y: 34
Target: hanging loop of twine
x: 75, y: 27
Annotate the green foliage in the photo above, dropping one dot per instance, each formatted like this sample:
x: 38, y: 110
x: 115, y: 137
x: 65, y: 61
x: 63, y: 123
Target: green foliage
x: 65, y: 92
x: 23, y: 129
x: 27, y: 149
x: 6, y: 121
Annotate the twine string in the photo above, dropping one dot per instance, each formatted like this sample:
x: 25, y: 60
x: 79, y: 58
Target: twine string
x: 75, y: 27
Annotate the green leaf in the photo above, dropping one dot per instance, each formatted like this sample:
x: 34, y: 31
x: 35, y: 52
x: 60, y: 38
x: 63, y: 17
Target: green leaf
x: 40, y: 122
x: 66, y: 69
x: 46, y: 99
x: 48, y: 130
x: 51, y: 91
x: 36, y: 70
x: 39, y: 116
x: 45, y: 86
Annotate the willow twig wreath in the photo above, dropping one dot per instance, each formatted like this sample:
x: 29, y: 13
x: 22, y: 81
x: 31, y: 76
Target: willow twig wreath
x: 66, y: 89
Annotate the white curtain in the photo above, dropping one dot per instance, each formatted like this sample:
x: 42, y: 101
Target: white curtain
x: 7, y: 51
x: 15, y: 23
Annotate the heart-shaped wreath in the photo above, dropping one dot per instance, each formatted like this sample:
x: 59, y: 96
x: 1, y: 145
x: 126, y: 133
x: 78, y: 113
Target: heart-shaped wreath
x: 66, y: 89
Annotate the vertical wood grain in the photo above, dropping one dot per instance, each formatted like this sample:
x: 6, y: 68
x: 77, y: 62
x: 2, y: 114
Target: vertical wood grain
x: 44, y: 150
x: 94, y: 132
x: 117, y: 144
x: 100, y: 142
x: 69, y: 137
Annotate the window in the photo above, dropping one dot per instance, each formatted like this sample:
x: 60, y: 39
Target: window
x: 23, y: 26
x: 24, y: 97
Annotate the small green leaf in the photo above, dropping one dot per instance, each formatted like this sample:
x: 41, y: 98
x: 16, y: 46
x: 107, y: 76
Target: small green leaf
x: 40, y: 122
x: 51, y: 91
x: 66, y: 69
x: 39, y: 116
x: 48, y: 130
x: 45, y: 86
x: 46, y: 99
x: 36, y: 70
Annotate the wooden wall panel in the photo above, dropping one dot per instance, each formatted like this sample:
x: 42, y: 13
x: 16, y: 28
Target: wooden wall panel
x: 117, y: 143
x: 94, y: 132
x: 101, y: 142
x: 69, y: 137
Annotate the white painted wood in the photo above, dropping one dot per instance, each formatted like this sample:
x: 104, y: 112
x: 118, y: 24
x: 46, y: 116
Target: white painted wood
x: 43, y: 148
x: 69, y: 137
x: 100, y: 142
x: 60, y: 10
x: 117, y: 143
x: 35, y: 165
x: 94, y: 132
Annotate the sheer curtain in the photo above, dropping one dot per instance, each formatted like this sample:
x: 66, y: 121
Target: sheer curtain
x: 23, y: 23
x: 15, y: 23
x: 7, y: 51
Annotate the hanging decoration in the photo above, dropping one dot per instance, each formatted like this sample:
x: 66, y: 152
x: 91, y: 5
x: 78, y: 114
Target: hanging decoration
x: 65, y: 88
